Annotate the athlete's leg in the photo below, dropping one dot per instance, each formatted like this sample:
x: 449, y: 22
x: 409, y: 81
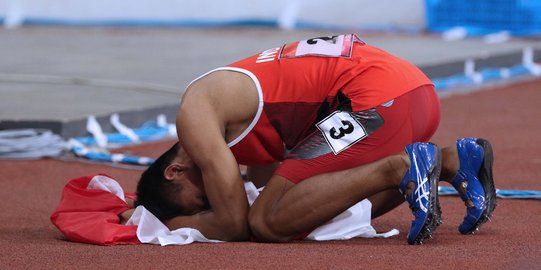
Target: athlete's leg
x: 385, y: 201
x: 450, y: 163
x: 388, y: 200
x: 283, y: 210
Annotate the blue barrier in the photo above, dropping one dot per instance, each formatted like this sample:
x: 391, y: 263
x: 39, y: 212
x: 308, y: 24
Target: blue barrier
x: 500, y: 193
x: 149, y: 131
x: 481, y: 17
x: 89, y: 148
x: 81, y: 150
x: 484, y: 75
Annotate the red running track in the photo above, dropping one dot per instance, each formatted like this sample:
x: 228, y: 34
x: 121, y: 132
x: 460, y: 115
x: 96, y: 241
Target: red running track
x: 509, y: 116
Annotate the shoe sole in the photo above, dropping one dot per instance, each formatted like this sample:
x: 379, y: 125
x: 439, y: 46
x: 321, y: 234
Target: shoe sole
x: 487, y: 181
x: 434, y: 216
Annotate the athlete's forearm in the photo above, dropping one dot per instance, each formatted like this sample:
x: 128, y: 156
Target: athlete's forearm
x: 227, y: 197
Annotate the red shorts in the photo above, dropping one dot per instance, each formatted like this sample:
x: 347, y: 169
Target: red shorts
x: 412, y: 117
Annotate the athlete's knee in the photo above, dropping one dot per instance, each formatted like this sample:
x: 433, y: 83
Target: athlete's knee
x: 263, y: 229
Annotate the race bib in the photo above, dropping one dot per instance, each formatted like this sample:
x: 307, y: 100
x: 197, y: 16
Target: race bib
x: 341, y: 131
x: 333, y: 46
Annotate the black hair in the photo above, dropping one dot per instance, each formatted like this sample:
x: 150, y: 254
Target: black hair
x: 157, y: 194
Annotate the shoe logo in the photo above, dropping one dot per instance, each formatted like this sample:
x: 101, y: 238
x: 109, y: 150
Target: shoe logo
x: 422, y: 192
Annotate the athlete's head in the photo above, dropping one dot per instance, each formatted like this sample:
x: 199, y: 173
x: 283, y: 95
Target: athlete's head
x: 172, y: 186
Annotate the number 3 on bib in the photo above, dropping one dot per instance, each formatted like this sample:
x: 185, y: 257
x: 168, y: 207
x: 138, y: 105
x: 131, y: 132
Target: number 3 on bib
x: 333, y: 46
x: 341, y: 131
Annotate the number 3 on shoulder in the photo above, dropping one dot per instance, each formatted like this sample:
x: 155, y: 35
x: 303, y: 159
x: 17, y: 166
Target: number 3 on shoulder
x: 341, y: 131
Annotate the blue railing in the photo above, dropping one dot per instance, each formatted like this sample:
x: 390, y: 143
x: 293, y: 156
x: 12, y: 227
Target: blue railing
x: 481, y: 17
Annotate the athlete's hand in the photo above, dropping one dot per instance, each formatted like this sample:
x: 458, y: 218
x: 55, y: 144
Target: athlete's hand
x: 130, y: 202
x: 126, y: 215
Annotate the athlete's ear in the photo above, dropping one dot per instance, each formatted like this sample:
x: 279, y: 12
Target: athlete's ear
x: 174, y: 170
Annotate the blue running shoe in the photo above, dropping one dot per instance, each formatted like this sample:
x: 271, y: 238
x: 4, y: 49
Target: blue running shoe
x: 420, y: 188
x: 474, y: 182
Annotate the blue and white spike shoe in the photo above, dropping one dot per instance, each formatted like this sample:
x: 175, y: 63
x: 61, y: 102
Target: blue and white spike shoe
x: 474, y: 182
x: 420, y: 188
